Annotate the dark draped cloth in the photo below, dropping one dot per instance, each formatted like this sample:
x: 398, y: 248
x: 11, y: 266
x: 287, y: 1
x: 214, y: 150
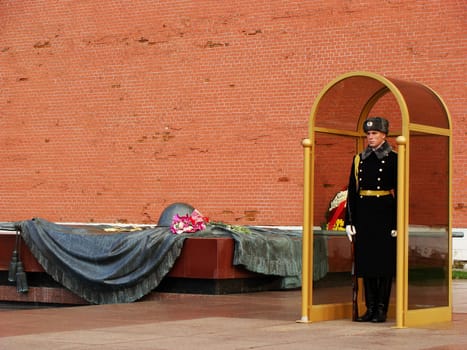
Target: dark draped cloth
x: 103, y: 266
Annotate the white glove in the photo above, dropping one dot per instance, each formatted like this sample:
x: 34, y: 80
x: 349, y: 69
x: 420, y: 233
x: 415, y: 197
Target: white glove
x: 350, y: 230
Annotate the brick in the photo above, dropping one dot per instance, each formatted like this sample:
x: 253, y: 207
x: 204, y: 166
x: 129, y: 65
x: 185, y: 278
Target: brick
x: 111, y: 112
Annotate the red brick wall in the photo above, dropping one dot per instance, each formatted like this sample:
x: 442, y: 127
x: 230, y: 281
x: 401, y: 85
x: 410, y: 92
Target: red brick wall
x: 112, y: 110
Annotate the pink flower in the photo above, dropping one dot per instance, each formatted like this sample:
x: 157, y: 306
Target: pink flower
x: 188, y: 223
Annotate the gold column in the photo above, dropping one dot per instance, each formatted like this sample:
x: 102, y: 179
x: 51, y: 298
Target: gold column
x: 401, y: 233
x: 307, y: 239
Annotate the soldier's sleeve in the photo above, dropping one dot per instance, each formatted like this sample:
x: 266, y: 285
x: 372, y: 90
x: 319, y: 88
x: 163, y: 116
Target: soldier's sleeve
x: 351, y: 195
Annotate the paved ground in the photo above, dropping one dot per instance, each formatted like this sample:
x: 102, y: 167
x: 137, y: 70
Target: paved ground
x: 263, y: 320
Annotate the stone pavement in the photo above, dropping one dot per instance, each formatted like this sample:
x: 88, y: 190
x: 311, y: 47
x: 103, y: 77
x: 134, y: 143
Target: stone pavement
x: 263, y: 320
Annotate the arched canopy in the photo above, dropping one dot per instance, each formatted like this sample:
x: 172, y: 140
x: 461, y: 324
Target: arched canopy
x: 420, y: 127
x: 344, y: 104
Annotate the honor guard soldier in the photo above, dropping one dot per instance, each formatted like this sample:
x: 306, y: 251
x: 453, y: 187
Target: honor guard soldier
x: 371, y: 218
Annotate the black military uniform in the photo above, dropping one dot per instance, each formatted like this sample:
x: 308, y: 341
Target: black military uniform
x: 371, y: 209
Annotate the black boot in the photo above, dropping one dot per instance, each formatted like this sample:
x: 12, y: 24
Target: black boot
x: 380, y: 314
x: 384, y: 285
x: 370, y: 300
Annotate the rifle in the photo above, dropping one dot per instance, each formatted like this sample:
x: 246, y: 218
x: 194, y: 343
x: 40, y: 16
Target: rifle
x: 354, y: 286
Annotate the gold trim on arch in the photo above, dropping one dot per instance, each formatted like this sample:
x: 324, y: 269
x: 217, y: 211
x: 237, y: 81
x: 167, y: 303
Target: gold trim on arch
x: 429, y: 129
x: 338, y: 132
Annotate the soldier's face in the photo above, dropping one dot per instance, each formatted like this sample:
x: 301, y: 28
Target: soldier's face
x: 375, y: 138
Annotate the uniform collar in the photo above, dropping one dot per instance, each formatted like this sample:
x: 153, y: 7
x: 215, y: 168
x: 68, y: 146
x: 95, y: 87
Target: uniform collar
x: 380, y: 152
